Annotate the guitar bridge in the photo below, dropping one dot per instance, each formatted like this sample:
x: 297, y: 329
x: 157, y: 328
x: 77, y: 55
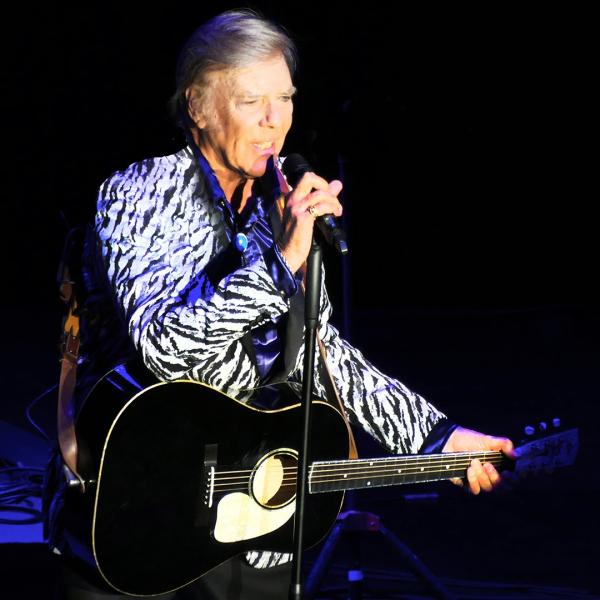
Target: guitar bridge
x: 210, y: 461
x: 208, y: 491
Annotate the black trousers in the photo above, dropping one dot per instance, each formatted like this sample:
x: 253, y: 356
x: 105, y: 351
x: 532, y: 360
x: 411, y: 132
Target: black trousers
x: 233, y: 580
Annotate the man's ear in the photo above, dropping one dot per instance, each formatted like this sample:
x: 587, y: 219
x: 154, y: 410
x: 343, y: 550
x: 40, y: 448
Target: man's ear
x: 195, y: 106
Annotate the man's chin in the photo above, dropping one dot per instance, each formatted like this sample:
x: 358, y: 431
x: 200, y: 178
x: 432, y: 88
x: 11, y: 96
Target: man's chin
x: 258, y: 169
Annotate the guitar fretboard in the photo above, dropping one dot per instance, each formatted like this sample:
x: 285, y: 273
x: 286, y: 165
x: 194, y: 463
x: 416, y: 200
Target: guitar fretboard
x: 339, y: 475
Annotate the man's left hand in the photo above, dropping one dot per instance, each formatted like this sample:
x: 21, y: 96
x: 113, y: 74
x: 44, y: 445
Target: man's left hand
x: 480, y: 477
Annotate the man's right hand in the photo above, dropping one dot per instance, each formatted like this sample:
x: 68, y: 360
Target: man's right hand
x: 313, y: 196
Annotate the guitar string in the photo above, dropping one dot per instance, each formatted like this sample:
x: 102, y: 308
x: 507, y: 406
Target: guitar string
x: 356, y: 476
x: 325, y: 472
x: 316, y: 474
x: 353, y: 465
x: 291, y: 481
x: 358, y: 467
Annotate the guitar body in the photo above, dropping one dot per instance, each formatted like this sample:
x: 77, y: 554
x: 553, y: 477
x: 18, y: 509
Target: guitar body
x: 184, y: 477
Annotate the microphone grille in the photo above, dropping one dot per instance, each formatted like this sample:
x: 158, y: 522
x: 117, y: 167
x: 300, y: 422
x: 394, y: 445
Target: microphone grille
x: 293, y: 167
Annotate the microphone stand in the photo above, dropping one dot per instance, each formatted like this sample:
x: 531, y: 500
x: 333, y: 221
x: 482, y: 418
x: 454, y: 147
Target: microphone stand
x: 314, y: 263
x: 311, y: 320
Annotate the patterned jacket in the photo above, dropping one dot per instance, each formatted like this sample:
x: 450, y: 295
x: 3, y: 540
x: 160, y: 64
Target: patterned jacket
x: 189, y: 298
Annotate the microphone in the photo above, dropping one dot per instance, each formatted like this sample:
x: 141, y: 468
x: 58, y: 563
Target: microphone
x: 293, y: 167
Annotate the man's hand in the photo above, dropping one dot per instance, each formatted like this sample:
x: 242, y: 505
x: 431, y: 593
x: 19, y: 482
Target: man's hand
x: 479, y: 476
x: 312, y: 193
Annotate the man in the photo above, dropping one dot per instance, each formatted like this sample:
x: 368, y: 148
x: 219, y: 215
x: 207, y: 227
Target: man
x: 206, y: 274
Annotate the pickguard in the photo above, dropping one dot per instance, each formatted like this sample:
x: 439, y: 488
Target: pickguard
x: 242, y: 516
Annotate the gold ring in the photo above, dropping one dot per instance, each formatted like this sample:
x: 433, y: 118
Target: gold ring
x: 313, y: 212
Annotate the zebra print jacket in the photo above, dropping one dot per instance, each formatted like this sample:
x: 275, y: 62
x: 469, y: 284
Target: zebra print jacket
x: 165, y: 232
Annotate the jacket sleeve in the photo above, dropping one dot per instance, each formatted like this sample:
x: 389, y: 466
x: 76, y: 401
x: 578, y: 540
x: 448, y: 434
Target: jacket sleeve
x: 398, y: 418
x: 179, y: 312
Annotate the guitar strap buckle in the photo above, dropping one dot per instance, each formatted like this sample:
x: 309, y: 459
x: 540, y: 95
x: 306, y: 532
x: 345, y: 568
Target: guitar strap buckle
x: 70, y: 346
x: 72, y: 480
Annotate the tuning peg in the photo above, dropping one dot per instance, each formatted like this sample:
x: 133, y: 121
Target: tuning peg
x: 543, y: 426
x: 529, y: 430
x: 556, y: 422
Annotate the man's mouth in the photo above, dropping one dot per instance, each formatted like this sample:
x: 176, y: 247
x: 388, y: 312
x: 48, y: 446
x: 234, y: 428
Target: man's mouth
x: 262, y: 146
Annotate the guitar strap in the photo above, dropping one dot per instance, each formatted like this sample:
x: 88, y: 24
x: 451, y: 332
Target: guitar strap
x: 332, y: 392
x: 67, y: 439
x: 326, y: 376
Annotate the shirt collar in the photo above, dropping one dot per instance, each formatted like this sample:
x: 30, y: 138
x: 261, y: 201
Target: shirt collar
x: 266, y: 189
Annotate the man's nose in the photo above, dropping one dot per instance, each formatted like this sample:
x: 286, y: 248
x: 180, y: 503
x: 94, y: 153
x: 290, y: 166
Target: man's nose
x: 271, y: 116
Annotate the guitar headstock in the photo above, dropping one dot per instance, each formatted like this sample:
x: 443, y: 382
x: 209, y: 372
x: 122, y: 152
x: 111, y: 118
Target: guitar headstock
x: 546, y: 448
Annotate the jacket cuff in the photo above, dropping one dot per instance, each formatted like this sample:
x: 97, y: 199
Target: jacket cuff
x: 438, y: 436
x: 279, y: 271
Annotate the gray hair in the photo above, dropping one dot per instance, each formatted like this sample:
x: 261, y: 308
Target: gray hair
x: 232, y: 40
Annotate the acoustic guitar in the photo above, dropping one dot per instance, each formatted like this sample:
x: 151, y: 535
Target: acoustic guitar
x: 180, y: 477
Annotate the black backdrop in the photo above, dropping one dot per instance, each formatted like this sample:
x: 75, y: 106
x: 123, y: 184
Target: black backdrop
x: 465, y: 140
x: 465, y: 135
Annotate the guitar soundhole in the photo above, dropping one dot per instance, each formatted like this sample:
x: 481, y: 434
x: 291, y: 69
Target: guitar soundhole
x: 273, y: 482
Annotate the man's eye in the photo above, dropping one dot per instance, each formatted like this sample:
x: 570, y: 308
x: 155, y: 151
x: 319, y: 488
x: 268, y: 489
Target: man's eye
x: 249, y: 102
x: 286, y: 98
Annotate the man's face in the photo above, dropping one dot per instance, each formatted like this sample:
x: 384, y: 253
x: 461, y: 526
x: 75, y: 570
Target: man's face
x: 244, y: 118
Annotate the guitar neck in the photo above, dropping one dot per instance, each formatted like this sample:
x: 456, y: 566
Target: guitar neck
x: 339, y: 475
